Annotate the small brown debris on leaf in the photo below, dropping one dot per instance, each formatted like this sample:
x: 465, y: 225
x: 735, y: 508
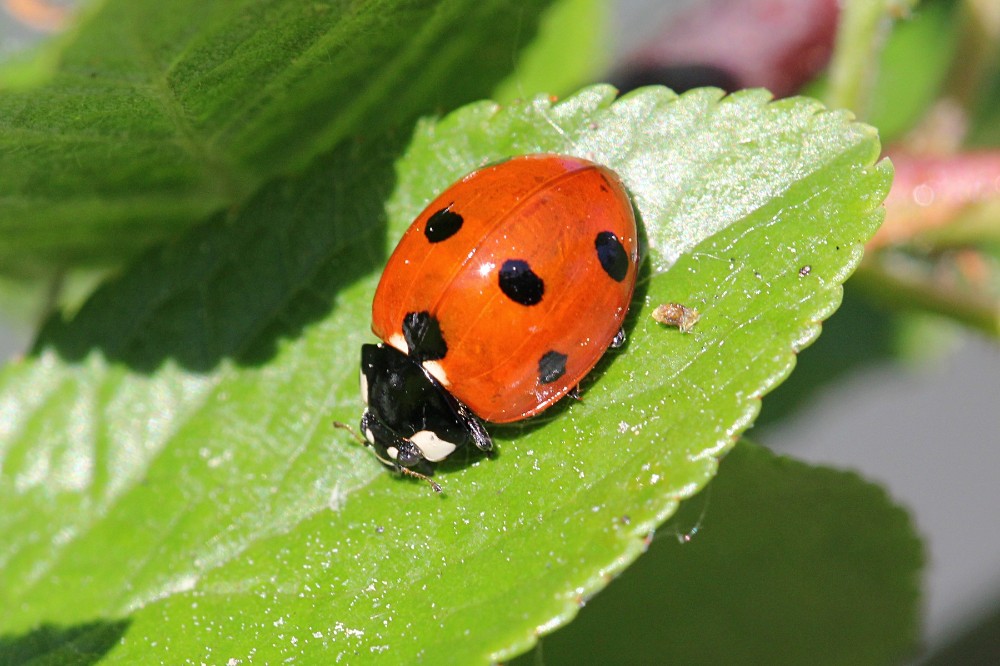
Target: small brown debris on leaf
x: 675, y: 314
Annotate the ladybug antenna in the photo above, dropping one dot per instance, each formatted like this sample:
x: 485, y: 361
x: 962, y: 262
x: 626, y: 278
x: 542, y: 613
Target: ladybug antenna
x: 389, y: 463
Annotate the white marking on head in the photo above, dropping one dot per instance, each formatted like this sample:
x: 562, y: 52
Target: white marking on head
x: 431, y: 446
x: 364, y: 387
x: 393, y: 452
x: 437, y: 372
x: 399, y: 342
x: 369, y: 435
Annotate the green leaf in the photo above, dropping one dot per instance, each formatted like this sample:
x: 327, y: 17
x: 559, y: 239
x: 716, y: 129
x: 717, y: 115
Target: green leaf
x: 168, y: 455
x: 570, y: 50
x: 860, y: 336
x: 913, y: 66
x: 162, y: 113
x: 776, y: 562
x: 861, y: 31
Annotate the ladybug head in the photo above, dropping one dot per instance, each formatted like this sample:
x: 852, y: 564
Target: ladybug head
x: 411, y: 418
x: 389, y: 447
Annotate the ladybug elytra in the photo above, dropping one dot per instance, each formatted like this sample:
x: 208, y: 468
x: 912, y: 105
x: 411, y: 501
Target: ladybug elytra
x: 500, y: 297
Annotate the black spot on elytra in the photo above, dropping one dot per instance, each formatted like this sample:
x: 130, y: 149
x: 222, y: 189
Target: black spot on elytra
x: 611, y: 254
x: 520, y: 283
x: 551, y: 366
x: 443, y: 224
x: 423, y: 337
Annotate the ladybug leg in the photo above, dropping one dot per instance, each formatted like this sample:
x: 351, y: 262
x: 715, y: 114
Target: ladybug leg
x: 477, y: 431
x: 406, y: 471
x: 619, y: 339
x: 575, y: 393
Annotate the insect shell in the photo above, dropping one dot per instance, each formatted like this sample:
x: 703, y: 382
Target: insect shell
x: 500, y: 297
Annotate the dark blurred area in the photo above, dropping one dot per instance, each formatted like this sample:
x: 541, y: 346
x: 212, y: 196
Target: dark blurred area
x: 733, y: 44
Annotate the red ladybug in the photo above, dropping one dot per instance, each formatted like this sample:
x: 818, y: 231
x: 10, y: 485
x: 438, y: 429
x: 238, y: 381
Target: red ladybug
x: 500, y: 297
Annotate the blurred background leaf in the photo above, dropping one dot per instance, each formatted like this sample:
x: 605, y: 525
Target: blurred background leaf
x: 776, y: 562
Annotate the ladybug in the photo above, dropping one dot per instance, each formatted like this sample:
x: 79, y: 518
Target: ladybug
x: 500, y: 297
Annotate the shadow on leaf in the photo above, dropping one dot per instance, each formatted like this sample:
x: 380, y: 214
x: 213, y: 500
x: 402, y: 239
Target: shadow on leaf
x: 78, y: 645
x: 245, y: 279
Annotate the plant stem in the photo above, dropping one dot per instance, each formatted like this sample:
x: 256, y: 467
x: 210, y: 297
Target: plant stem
x: 915, y: 291
x: 864, y: 25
